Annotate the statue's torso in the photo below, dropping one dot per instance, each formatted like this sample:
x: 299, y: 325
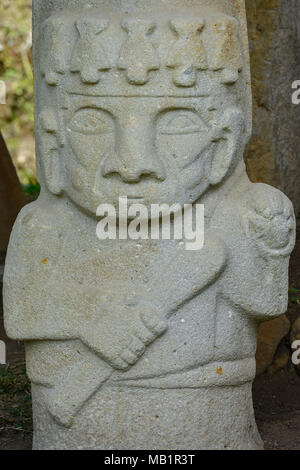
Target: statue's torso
x: 83, y: 276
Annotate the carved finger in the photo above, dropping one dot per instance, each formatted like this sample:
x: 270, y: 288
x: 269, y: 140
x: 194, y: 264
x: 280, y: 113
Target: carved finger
x: 155, y: 324
x: 137, y: 346
x: 119, y: 363
x: 129, y: 357
x: 144, y: 334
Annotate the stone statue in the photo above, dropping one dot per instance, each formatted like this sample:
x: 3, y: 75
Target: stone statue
x: 141, y: 344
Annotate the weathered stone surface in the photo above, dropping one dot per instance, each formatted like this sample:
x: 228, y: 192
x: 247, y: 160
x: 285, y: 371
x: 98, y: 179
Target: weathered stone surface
x: 141, y: 343
x: 273, y: 154
x: 269, y: 336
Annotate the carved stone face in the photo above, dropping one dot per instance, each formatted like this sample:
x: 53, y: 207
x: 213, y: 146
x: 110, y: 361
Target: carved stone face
x: 143, y: 115
x: 153, y: 150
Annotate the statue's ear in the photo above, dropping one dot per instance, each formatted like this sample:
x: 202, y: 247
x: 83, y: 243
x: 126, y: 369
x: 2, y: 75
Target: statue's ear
x: 229, y: 138
x: 49, y: 150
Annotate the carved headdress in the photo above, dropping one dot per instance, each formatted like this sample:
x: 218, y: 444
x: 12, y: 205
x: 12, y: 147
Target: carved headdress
x: 146, y: 48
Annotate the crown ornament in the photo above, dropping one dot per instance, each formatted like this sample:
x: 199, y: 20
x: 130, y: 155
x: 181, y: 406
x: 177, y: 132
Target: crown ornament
x: 54, y: 64
x: 201, y: 45
x: 227, y: 55
x: 187, y: 55
x: 138, y: 56
x: 89, y: 56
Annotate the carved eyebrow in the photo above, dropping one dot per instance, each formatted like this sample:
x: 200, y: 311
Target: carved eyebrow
x: 167, y: 121
x: 92, y: 111
x: 161, y: 105
x: 184, y: 108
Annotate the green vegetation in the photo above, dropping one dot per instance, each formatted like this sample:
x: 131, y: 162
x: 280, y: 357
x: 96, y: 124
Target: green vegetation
x: 15, y: 400
x: 16, y: 117
x: 32, y: 187
x: 294, y: 295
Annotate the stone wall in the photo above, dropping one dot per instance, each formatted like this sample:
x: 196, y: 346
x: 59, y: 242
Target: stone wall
x: 273, y: 155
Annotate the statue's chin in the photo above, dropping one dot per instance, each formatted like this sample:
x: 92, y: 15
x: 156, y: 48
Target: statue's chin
x: 89, y: 202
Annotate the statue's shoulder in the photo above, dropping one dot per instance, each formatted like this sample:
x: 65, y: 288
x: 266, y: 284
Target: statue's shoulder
x: 32, y: 217
x: 260, y: 227
x: 267, y: 216
x: 39, y: 230
x: 35, y: 245
x: 259, y: 215
x: 267, y: 199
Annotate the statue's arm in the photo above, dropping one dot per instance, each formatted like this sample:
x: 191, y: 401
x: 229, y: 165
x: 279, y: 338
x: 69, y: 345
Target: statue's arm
x: 32, y: 254
x: 257, y: 278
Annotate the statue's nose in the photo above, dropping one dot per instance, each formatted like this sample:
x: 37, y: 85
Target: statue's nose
x: 135, y: 157
x: 132, y: 168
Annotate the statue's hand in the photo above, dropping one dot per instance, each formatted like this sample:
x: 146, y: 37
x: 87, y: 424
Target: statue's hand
x: 148, y: 328
x: 122, y: 333
x: 269, y: 221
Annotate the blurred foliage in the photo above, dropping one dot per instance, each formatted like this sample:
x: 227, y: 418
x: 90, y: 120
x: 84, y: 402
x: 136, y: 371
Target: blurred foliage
x: 15, y: 400
x: 16, y: 117
x: 32, y: 188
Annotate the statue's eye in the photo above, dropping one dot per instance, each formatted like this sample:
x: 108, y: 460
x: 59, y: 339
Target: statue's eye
x: 91, y: 122
x: 176, y: 122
